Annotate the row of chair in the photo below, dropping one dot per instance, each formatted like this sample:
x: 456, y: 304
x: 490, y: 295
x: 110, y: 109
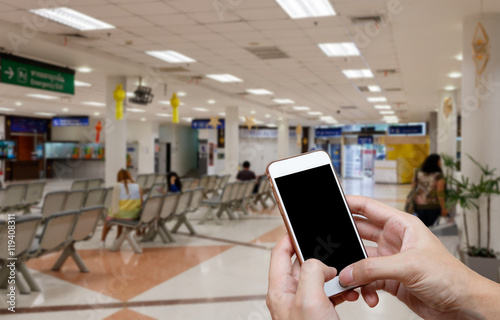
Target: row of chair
x: 60, y: 232
x: 21, y: 196
x: 212, y: 184
x: 147, y: 181
x: 87, y: 184
x: 156, y: 211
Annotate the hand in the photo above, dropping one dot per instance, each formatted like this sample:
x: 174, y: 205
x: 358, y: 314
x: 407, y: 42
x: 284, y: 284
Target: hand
x: 296, y: 292
x: 413, y: 265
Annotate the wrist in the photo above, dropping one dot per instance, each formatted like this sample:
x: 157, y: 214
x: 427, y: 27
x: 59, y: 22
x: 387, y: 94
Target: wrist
x: 480, y: 299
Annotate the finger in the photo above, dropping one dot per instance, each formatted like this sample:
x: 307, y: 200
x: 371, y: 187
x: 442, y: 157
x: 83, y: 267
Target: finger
x: 296, y: 269
x: 313, y: 275
x: 368, y: 270
x: 375, y: 211
x: 368, y: 230
x: 281, y: 256
x: 372, y: 251
x: 370, y: 295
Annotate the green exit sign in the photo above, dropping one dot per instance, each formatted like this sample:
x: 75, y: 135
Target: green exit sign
x: 34, y: 74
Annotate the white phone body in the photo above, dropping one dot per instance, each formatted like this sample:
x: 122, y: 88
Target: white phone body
x: 318, y: 229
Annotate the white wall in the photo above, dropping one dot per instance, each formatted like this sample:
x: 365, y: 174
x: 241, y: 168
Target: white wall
x: 144, y: 134
x: 184, y: 142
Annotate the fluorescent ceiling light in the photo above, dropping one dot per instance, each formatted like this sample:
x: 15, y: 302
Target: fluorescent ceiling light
x: 73, y: 19
x: 45, y: 114
x: 459, y: 57
x: 211, y: 101
x: 253, y: 112
x: 82, y: 84
x: 18, y: 103
x: 386, y: 112
x: 342, y: 49
x: 258, y: 121
x: 259, y: 92
x: 377, y: 99
x: 315, y: 113
x: 224, y: 78
x: 449, y: 88
x: 298, y: 9
x: 326, y: 118
x: 135, y: 110
x: 454, y: 75
x: 165, y: 115
x: 143, y: 119
x: 65, y: 109
x: 271, y: 125
x: 84, y: 69
x: 168, y: 102
x: 94, y: 104
x: 299, y: 108
x: 374, y: 89
x: 181, y: 94
x: 170, y: 56
x: 284, y: 101
x: 41, y: 96
x: 201, y: 109
x: 268, y: 116
x: 130, y: 94
x: 382, y: 107
x: 187, y: 119
x: 222, y: 114
x: 96, y: 113
x: 7, y: 109
x: 356, y: 74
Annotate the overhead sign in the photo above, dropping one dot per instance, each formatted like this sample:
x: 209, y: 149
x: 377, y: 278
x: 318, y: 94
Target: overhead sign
x: 70, y: 122
x: 34, y: 74
x: 410, y: 130
x: 328, y: 132
x: 203, y: 124
x: 365, y: 140
x: 32, y: 125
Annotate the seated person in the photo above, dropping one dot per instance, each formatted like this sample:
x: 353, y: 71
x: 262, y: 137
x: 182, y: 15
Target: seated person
x: 174, y: 182
x: 246, y: 174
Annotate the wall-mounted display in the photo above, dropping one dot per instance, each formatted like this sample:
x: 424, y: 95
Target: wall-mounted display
x: 7, y: 150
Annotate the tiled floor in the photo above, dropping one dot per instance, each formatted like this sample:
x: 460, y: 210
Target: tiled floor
x: 219, y: 274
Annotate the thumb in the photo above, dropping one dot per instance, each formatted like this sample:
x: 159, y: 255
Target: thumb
x: 368, y: 270
x: 313, y: 275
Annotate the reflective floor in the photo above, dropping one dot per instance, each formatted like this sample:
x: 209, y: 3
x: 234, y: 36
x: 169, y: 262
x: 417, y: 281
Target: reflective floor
x: 219, y: 274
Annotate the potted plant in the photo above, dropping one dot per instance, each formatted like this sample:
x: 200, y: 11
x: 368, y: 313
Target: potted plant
x: 471, y: 196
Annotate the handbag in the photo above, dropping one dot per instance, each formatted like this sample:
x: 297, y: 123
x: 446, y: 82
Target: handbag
x: 410, y: 198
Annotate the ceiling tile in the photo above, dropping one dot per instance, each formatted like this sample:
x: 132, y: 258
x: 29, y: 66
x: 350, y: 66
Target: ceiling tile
x: 171, y: 19
x: 150, y: 8
x: 230, y: 27
x: 214, y: 17
x: 262, y: 14
x: 102, y: 11
x: 129, y: 22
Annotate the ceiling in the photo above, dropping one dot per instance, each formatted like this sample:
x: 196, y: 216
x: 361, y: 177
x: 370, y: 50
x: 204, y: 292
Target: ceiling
x: 418, y: 41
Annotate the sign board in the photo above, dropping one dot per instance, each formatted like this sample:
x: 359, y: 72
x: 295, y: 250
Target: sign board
x: 264, y: 133
x: 365, y: 139
x: 32, y: 125
x: 38, y: 75
x: 328, y: 133
x: 410, y: 130
x: 70, y: 122
x: 203, y: 124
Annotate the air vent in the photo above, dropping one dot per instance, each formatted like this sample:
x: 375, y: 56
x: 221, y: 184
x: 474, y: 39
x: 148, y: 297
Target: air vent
x: 172, y: 69
x: 393, y: 89
x: 348, y: 107
x: 268, y: 53
x: 366, y: 19
x: 386, y: 71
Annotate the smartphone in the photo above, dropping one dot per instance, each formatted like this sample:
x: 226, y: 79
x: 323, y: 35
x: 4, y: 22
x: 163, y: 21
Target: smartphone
x: 315, y: 212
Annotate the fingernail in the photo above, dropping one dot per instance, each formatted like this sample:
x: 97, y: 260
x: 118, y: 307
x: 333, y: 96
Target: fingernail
x: 347, y: 277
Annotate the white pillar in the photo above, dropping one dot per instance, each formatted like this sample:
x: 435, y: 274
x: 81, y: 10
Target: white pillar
x: 232, y: 142
x: 116, y: 134
x: 447, y: 124
x: 481, y: 115
x: 283, y: 138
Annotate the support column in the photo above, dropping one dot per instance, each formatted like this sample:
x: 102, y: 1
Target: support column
x: 447, y: 124
x: 283, y: 138
x: 481, y: 116
x: 232, y: 143
x: 116, y: 134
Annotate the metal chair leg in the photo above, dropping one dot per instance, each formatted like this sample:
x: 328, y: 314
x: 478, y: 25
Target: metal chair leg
x: 28, y: 277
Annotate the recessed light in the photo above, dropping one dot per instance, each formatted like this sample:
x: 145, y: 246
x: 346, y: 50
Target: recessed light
x: 201, y: 109
x: 136, y: 110
x: 45, y: 114
x: 143, y: 119
x: 259, y: 92
x: 326, y: 118
x: 300, y: 108
x: 271, y: 125
x: 19, y: 103
x: 94, y: 103
x: 253, y: 112
x: 65, y: 109
x: 96, y: 113
x: 449, y: 88
x: 222, y: 114
x: 72, y: 18
x: 226, y: 78
x: 181, y: 94
x: 341, y: 49
x: 84, y: 69
x: 168, y: 103
x: 315, y: 113
x: 165, y: 115
x: 454, y: 75
x: 130, y: 94
x: 376, y: 99
x: 211, y: 101
x: 267, y: 116
x: 374, y: 89
x: 459, y: 57
x: 170, y: 56
x: 7, y: 109
x: 382, y: 107
x: 298, y: 9
x: 187, y: 119
x: 386, y: 112
x: 356, y: 74
x: 284, y: 101
x: 82, y: 84
x: 41, y: 96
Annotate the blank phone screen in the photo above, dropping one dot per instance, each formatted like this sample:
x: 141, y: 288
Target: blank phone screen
x: 319, y: 217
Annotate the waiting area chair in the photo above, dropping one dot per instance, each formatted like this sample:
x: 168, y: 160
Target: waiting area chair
x: 195, y: 198
x: 222, y: 203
